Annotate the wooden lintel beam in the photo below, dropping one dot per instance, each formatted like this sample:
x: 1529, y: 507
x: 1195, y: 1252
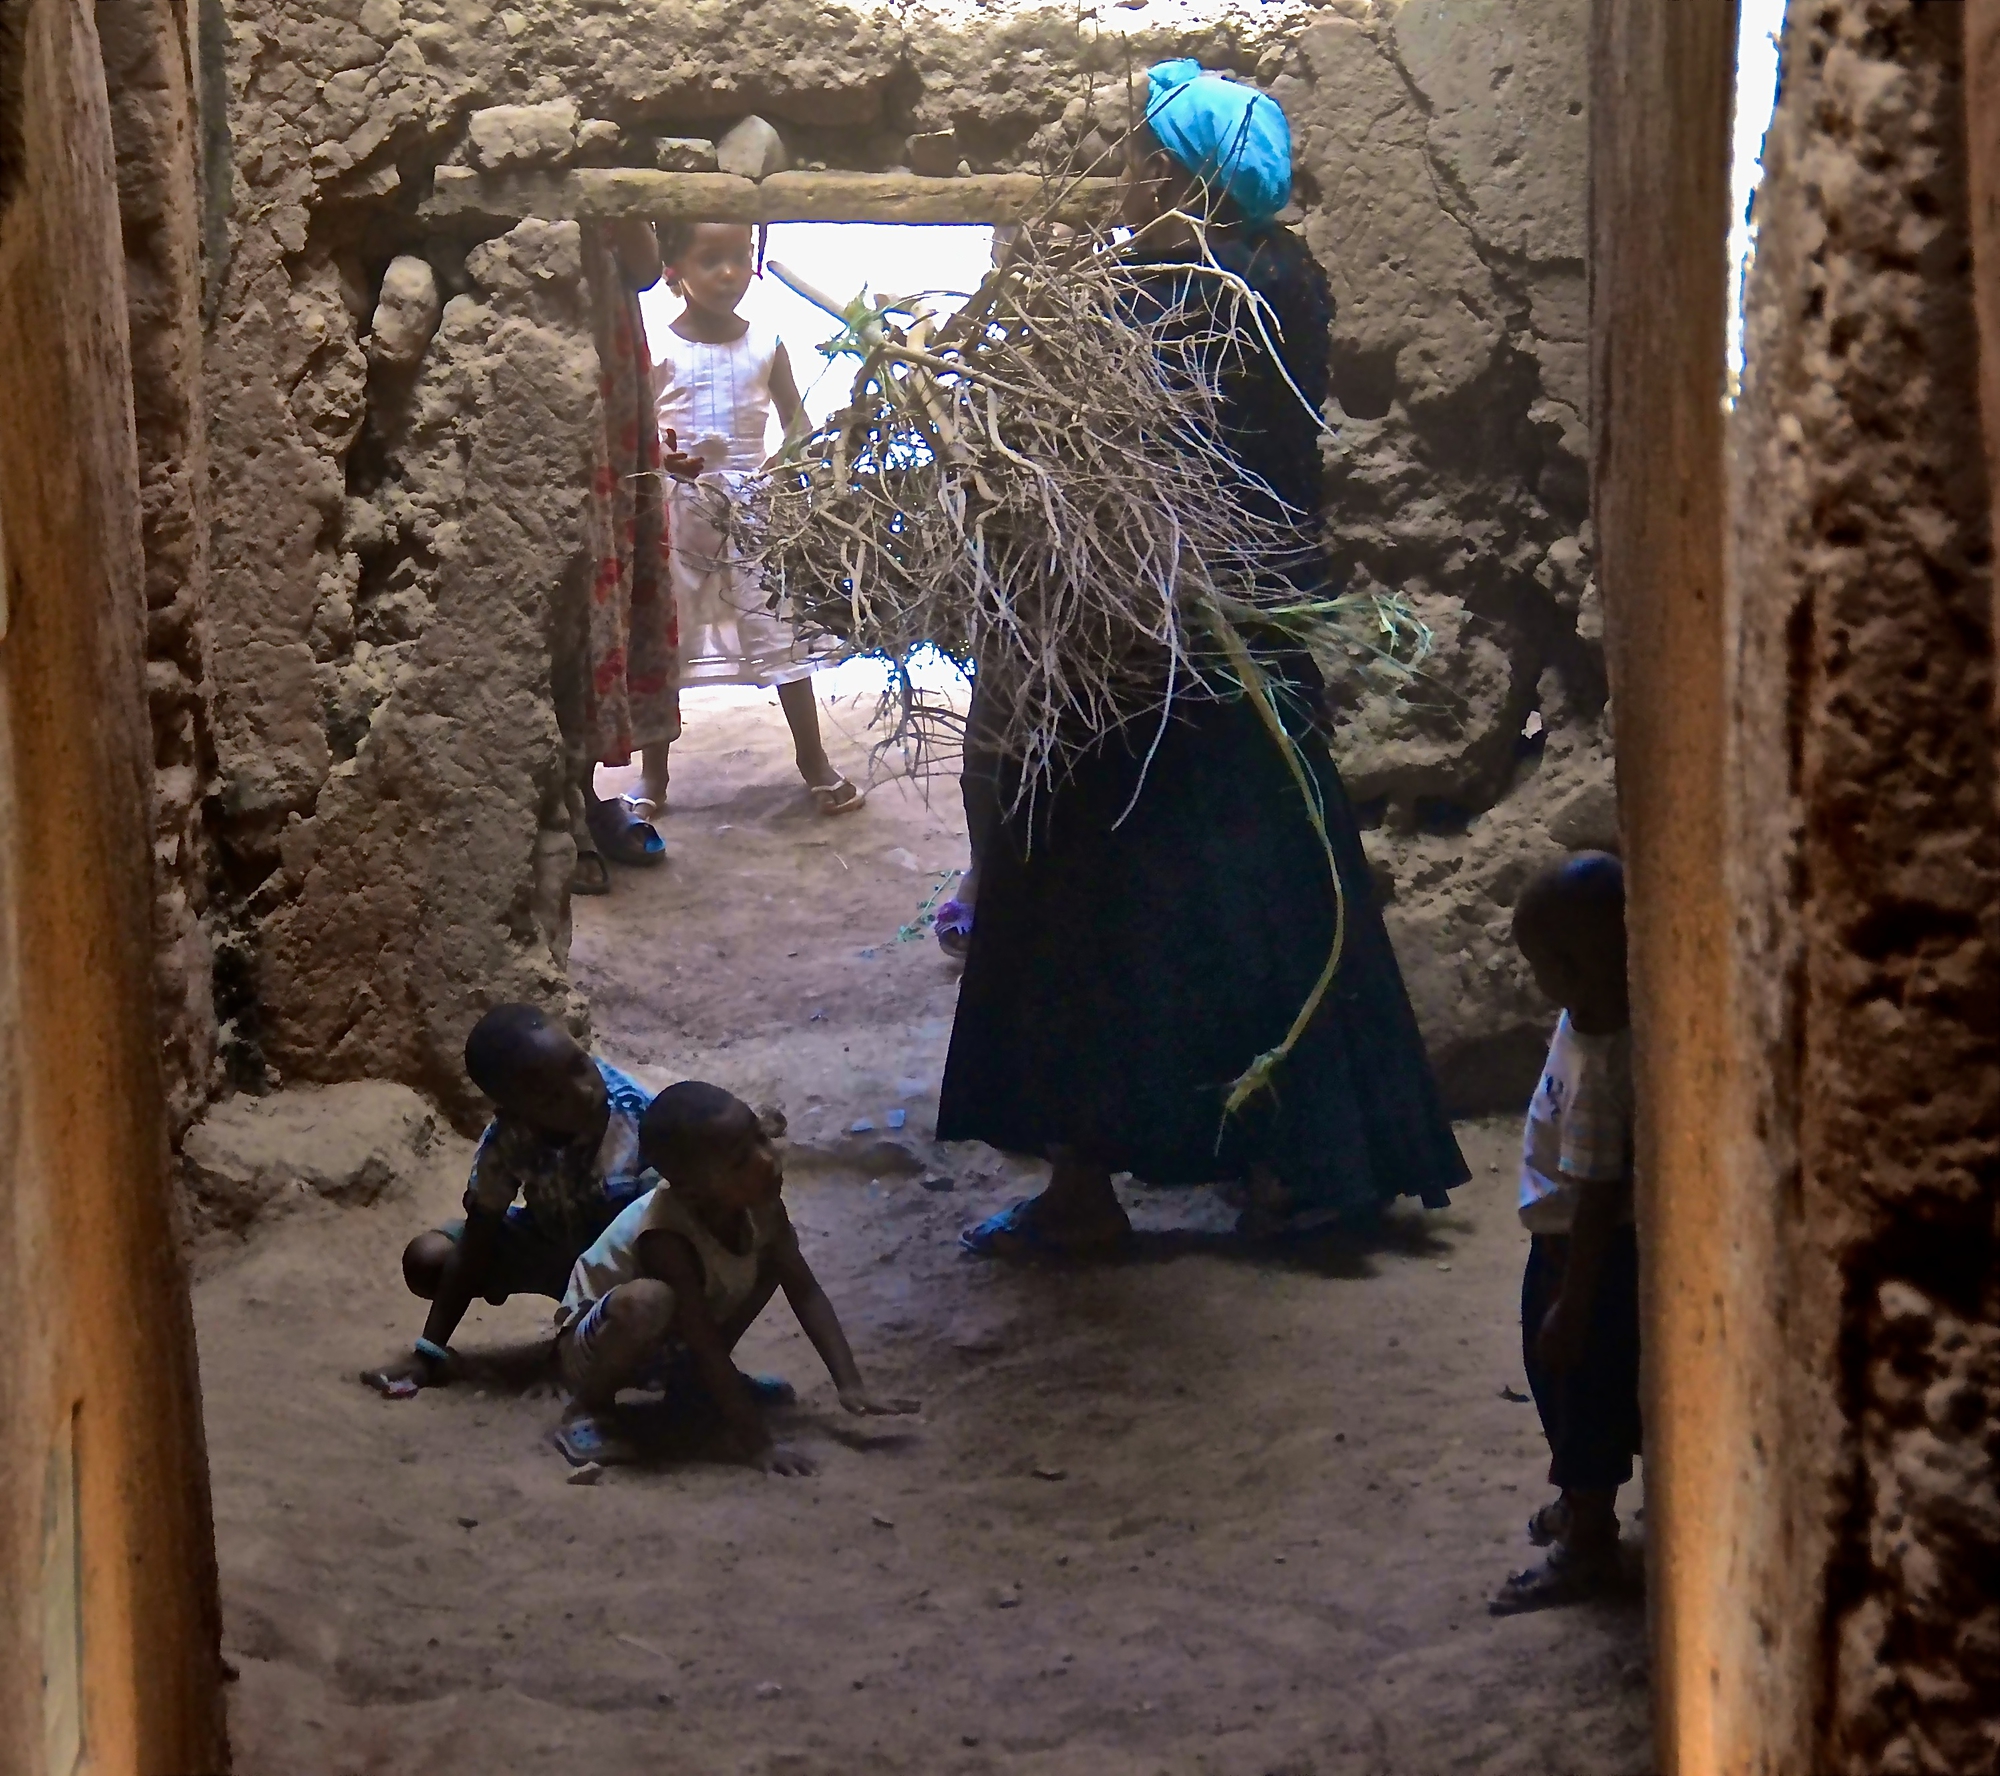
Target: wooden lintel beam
x: 602, y: 193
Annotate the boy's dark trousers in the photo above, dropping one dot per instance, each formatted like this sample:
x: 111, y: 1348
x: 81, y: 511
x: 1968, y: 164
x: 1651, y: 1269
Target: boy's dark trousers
x: 1590, y: 1411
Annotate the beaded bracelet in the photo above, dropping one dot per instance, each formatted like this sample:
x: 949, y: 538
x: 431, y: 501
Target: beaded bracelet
x: 429, y: 1347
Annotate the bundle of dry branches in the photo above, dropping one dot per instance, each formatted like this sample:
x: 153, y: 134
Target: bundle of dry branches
x: 1038, y: 487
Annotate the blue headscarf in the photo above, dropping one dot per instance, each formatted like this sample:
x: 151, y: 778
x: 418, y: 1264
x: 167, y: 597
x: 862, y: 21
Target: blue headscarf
x: 1230, y: 136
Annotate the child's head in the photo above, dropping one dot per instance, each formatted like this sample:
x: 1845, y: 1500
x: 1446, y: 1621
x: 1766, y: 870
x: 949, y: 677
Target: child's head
x: 709, y: 265
x: 709, y: 1143
x: 1570, y: 925
x: 534, y: 1070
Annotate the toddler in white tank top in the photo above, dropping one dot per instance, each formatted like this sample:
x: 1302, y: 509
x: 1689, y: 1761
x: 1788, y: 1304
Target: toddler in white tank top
x: 717, y: 380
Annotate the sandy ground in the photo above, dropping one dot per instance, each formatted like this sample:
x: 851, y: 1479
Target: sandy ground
x: 1202, y: 1511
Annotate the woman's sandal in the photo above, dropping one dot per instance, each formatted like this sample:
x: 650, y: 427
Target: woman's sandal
x: 590, y: 874
x: 953, y: 924
x: 1563, y: 1577
x: 841, y: 797
x: 622, y: 838
x: 584, y: 1439
x: 1013, y: 1234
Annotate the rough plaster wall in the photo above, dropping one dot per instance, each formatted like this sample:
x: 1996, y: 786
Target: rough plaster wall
x: 150, y: 77
x: 435, y: 644
x: 1442, y: 154
x: 1442, y: 170
x: 1869, y: 877
x: 100, y: 1349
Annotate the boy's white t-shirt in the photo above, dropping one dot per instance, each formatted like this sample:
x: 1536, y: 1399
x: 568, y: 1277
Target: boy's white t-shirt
x: 1579, y: 1126
x: 728, y: 1276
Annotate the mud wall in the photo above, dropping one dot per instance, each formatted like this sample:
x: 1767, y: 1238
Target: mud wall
x: 109, y: 1627
x: 1869, y: 867
x: 389, y: 536
x: 1802, y: 627
x: 151, y: 78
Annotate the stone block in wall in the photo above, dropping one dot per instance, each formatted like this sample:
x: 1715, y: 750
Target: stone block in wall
x: 1587, y: 819
x: 686, y: 154
x: 933, y: 154
x: 752, y: 149
x: 250, y: 1158
x: 598, y: 141
x: 505, y: 138
x: 406, y: 313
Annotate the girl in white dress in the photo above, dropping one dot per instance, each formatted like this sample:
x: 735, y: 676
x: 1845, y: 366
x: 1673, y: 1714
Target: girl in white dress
x: 716, y: 381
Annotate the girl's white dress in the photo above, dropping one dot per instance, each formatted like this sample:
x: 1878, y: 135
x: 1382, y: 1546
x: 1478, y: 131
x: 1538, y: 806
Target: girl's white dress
x: 717, y: 400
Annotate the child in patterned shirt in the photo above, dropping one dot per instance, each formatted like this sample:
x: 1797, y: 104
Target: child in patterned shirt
x: 1580, y: 1297
x: 564, y: 1140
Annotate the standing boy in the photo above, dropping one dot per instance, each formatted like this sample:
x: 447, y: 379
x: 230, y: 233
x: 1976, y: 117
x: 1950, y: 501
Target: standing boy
x: 1580, y: 1297
x: 564, y: 1140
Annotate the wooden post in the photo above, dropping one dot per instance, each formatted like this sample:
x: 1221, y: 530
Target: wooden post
x: 110, y: 1654
x: 1662, y: 80
x: 460, y: 194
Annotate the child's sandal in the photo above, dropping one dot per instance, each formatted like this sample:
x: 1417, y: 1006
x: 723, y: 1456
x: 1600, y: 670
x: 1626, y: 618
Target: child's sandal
x: 1564, y: 1577
x: 583, y: 1440
x: 622, y: 839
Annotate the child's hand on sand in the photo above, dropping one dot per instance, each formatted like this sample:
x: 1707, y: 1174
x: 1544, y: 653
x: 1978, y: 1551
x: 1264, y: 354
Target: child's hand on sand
x: 780, y: 1458
x: 403, y: 1379
x: 864, y: 1403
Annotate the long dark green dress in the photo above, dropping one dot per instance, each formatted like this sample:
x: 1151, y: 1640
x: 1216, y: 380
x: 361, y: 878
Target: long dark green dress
x: 1122, y: 975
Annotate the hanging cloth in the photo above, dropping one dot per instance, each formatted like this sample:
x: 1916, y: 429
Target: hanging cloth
x: 632, y: 678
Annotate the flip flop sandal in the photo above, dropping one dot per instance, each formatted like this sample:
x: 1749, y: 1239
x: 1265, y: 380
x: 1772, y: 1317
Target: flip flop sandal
x: 586, y: 1440
x: 1564, y: 1577
x: 1013, y: 1235
x: 592, y: 875
x: 836, y: 798
x: 953, y: 924
x: 642, y: 808
x: 621, y: 838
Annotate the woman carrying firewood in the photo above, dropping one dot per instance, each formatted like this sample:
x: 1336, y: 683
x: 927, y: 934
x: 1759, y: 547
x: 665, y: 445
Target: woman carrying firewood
x: 1152, y: 919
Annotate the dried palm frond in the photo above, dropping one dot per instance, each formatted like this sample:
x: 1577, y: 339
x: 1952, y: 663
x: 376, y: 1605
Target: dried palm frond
x: 1037, y: 487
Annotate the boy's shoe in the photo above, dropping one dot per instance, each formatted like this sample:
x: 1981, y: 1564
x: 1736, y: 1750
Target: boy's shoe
x: 1564, y: 1576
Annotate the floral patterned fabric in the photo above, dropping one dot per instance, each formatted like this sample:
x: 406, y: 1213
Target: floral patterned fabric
x: 632, y: 681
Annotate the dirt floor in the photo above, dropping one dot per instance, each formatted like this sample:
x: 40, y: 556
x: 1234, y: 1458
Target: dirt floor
x: 1208, y: 1510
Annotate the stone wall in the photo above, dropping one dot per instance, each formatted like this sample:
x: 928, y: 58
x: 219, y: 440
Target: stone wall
x: 1441, y: 154
x: 1802, y: 642
x: 363, y: 731
x: 1868, y: 874
x: 151, y: 80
